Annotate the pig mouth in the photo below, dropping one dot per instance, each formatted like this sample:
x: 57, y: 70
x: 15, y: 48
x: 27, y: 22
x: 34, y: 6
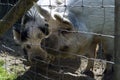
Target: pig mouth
x: 51, y: 51
x: 37, y: 59
x: 55, y: 52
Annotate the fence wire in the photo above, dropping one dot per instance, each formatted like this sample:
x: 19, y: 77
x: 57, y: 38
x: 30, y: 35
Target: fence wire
x: 46, y: 75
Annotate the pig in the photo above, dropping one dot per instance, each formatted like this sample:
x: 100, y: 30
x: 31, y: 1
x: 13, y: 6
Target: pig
x: 32, y: 30
x: 71, y: 29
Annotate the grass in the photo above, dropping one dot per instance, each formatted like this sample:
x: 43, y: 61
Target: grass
x: 4, y: 74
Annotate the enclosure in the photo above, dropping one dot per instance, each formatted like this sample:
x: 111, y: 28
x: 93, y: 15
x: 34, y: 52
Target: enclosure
x: 96, y: 21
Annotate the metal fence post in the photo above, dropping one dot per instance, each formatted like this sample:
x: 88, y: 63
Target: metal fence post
x: 117, y: 41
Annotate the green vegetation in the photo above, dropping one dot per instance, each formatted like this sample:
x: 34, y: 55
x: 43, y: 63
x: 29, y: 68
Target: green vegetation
x: 4, y: 74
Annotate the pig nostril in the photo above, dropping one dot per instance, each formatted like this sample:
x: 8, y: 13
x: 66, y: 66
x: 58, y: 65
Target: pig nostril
x: 64, y: 48
x: 47, y: 25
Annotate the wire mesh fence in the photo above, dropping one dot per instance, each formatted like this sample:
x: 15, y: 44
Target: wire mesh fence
x: 96, y: 13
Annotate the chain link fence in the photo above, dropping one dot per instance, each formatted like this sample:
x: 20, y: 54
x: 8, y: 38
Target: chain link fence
x: 59, y: 69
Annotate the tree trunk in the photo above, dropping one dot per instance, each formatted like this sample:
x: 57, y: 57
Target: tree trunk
x: 117, y: 41
x: 14, y: 14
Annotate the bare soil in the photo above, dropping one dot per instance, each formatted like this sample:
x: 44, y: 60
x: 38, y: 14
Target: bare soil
x: 11, y: 54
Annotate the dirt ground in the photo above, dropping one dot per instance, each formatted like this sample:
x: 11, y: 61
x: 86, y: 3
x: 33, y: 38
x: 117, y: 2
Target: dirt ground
x: 13, y: 56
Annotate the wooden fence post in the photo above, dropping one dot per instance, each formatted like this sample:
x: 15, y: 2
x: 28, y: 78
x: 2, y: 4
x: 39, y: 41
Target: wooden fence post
x: 14, y: 14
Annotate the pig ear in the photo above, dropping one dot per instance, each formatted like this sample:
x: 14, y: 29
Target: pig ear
x: 44, y: 12
x: 63, y: 20
x: 58, y: 17
x: 17, y: 36
x: 25, y: 19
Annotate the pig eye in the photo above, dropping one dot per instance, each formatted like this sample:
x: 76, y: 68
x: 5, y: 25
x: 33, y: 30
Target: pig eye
x: 28, y: 46
x: 45, y: 20
x: 64, y: 31
x: 46, y: 25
